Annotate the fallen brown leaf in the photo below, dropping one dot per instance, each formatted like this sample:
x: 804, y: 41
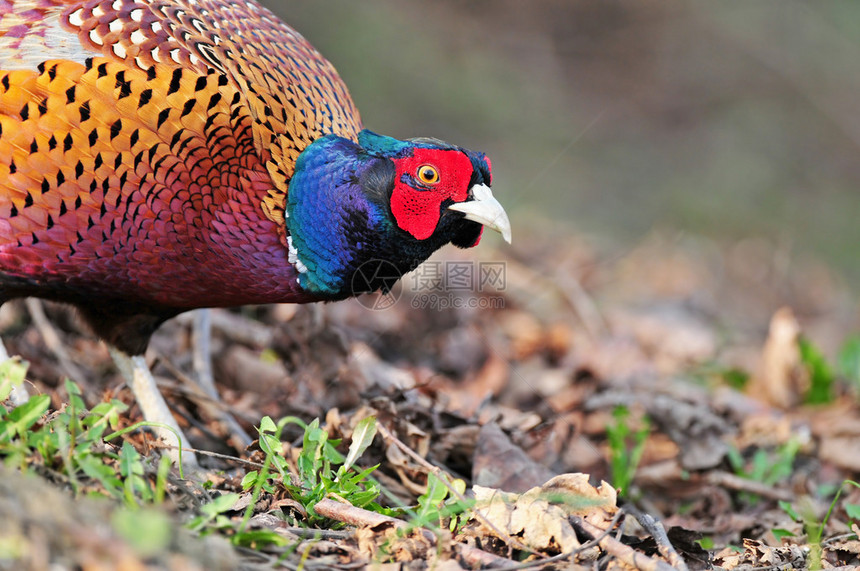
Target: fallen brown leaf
x: 539, y: 517
x: 779, y: 379
x: 499, y: 463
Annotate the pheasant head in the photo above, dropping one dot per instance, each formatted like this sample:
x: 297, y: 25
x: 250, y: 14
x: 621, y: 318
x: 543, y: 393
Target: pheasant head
x: 383, y: 200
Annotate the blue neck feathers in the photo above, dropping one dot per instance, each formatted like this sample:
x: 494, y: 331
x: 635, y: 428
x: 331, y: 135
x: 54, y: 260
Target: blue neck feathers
x: 326, y: 208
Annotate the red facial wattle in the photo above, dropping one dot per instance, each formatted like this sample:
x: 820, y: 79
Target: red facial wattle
x: 478, y: 239
x: 417, y: 206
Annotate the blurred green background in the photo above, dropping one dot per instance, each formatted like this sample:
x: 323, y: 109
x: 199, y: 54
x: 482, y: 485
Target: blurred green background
x: 730, y: 119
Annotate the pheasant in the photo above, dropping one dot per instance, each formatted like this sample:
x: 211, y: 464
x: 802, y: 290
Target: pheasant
x: 158, y: 156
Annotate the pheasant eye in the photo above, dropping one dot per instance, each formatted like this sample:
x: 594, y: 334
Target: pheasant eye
x: 428, y: 174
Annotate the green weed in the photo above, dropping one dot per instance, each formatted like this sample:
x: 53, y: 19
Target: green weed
x: 439, y: 503
x: 848, y: 360
x: 821, y: 376
x: 712, y: 372
x: 814, y: 527
x: 625, y: 448
x: 769, y: 467
x: 71, y: 442
x: 322, y: 471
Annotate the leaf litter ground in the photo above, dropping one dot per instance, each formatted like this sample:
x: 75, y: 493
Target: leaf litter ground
x: 715, y: 385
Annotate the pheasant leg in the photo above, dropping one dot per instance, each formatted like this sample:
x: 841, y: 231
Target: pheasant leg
x: 153, y: 406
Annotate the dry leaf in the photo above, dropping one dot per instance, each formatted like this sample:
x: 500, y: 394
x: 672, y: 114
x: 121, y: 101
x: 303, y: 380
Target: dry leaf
x: 416, y: 545
x: 580, y: 497
x: 525, y: 332
x: 671, y: 335
x: 694, y: 428
x: 377, y: 372
x: 412, y: 476
x: 780, y: 377
x: 848, y: 545
x: 757, y: 554
x: 499, y: 463
x: 539, y: 517
x: 559, y: 338
x: 842, y: 451
x: 465, y: 399
x: 538, y: 524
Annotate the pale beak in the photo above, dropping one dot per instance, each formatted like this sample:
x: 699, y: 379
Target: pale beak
x: 486, y: 210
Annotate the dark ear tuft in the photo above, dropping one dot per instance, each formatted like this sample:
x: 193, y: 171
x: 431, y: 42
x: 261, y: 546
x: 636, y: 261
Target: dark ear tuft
x: 378, y: 181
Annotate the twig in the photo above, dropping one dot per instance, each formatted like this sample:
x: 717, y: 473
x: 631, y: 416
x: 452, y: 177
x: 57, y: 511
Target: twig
x: 836, y: 538
x: 160, y: 444
x: 271, y: 561
x: 213, y: 405
x: 201, y: 356
x: 563, y: 556
x: 224, y: 457
x: 275, y: 560
x: 658, y: 532
x: 352, y: 515
x: 202, y: 362
x: 583, y: 305
x: 733, y: 482
x: 475, y: 557
x: 443, y: 477
x: 235, y: 327
x: 53, y: 342
x: 623, y: 552
x: 308, y: 533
